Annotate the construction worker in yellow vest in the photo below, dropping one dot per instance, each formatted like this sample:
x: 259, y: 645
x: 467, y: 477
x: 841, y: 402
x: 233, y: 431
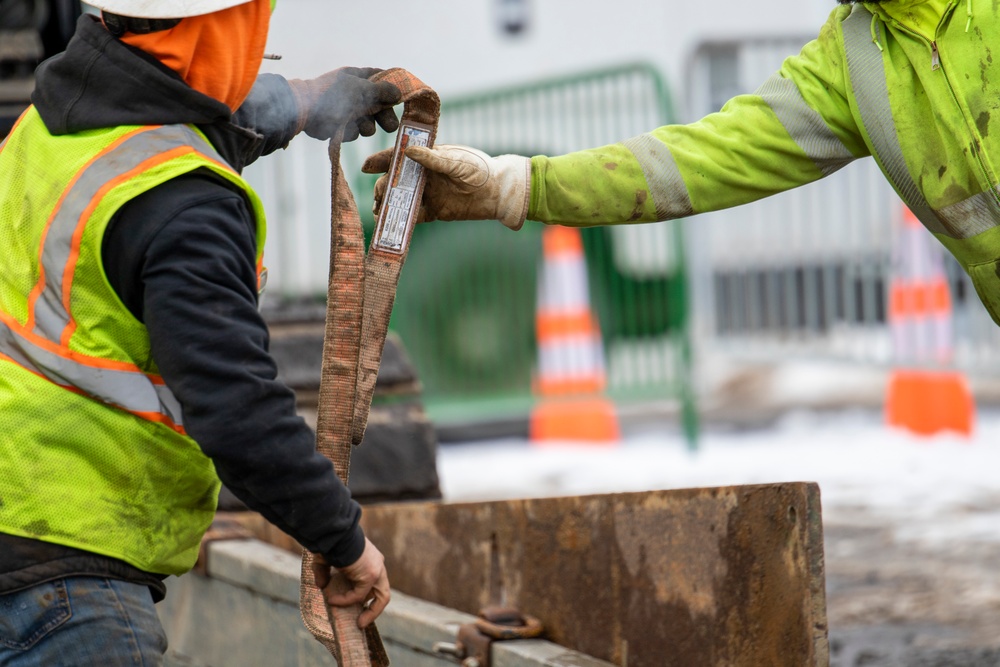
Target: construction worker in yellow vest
x: 908, y: 82
x: 134, y: 370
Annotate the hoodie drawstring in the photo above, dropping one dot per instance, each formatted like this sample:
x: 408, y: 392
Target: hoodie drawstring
x: 875, y: 31
x: 968, y: 13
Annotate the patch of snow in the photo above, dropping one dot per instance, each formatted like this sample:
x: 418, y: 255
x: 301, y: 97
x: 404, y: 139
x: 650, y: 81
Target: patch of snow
x: 931, y: 490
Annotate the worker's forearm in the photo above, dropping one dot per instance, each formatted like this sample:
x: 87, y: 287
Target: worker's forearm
x: 593, y: 187
x: 724, y: 160
x: 211, y: 346
x: 796, y: 128
x: 270, y: 111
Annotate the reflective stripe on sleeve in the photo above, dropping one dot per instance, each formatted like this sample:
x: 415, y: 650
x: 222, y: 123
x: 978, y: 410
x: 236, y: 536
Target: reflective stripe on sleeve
x: 117, y: 384
x: 62, y: 237
x: 804, y: 125
x: 871, y: 92
x: 971, y: 216
x: 663, y: 178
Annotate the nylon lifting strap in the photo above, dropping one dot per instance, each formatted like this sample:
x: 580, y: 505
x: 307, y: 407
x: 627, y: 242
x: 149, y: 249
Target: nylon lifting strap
x: 360, y: 295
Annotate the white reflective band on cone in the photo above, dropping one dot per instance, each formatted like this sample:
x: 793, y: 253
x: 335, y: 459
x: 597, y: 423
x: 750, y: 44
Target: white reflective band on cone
x: 571, y: 357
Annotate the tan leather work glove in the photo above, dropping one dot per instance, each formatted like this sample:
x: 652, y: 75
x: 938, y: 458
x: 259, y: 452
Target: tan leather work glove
x: 345, y: 98
x: 464, y: 184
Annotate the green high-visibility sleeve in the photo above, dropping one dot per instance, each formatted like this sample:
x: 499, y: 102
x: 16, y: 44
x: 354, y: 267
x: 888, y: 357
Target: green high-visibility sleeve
x: 794, y: 130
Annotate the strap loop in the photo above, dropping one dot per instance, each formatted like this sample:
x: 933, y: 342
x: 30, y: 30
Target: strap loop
x: 360, y: 295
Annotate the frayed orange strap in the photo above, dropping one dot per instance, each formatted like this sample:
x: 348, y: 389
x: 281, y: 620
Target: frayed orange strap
x: 360, y: 295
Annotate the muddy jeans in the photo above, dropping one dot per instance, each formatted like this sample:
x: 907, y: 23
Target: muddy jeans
x: 80, y: 621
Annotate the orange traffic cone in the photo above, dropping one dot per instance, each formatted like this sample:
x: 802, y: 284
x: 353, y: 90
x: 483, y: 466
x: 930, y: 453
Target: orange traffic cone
x: 571, y: 378
x: 923, y: 396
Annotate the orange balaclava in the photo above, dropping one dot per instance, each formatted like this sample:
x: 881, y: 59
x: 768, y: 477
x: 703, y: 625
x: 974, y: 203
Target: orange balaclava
x: 218, y: 54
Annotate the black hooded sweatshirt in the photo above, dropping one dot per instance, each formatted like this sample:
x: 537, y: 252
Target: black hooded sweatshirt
x: 182, y: 258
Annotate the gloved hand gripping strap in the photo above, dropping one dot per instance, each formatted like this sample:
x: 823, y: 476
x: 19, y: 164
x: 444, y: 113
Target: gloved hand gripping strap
x: 360, y: 296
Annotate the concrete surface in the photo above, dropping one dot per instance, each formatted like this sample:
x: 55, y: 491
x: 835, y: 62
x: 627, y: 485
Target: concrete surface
x: 245, y: 614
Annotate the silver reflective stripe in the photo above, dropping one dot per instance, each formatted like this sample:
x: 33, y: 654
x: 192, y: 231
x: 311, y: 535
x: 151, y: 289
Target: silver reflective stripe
x: 50, y: 314
x: 806, y: 127
x: 871, y: 92
x: 129, y: 390
x: 664, y: 179
x: 972, y: 216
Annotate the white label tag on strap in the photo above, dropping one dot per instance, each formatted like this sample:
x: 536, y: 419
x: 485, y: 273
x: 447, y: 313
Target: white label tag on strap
x: 400, y: 204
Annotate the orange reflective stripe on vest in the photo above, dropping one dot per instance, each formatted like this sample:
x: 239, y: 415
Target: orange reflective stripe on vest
x: 49, y: 304
x: 116, y: 383
x: 42, y: 345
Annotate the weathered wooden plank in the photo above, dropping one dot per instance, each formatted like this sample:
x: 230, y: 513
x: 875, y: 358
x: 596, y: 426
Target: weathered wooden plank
x: 691, y: 578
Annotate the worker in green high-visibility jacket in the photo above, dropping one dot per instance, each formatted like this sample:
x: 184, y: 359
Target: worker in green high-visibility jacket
x: 908, y: 82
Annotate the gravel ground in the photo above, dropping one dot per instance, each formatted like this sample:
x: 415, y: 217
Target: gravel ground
x: 894, y: 603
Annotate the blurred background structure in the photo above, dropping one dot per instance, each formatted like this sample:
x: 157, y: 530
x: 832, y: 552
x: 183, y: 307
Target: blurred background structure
x: 30, y: 31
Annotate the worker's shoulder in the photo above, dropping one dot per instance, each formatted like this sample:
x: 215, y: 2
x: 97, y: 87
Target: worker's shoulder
x: 837, y: 17
x: 191, y: 191
x: 831, y: 31
x: 185, y: 204
x: 202, y: 184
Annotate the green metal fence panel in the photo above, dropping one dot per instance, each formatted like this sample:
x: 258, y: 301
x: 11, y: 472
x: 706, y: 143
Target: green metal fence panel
x: 466, y: 301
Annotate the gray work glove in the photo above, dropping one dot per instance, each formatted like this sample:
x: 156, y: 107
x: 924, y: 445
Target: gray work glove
x: 345, y: 98
x: 464, y: 184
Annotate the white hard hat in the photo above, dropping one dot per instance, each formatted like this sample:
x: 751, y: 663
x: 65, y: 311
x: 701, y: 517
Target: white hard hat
x: 163, y: 9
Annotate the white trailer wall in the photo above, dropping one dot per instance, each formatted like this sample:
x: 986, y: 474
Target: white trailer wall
x: 457, y: 45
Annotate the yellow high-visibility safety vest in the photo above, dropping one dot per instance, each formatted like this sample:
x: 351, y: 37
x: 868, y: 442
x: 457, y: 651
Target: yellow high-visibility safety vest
x: 93, y: 451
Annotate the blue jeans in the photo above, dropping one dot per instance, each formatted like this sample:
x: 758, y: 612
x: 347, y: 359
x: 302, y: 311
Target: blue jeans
x: 80, y: 622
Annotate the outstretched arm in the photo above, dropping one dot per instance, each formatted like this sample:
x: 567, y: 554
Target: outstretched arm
x: 345, y: 98
x: 796, y: 128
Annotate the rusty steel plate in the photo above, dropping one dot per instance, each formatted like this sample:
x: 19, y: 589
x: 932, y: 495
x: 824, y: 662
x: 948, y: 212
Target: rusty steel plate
x: 690, y: 578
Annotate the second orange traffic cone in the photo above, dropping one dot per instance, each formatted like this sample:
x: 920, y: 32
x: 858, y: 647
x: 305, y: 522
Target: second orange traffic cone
x: 924, y: 395
x: 571, y: 375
